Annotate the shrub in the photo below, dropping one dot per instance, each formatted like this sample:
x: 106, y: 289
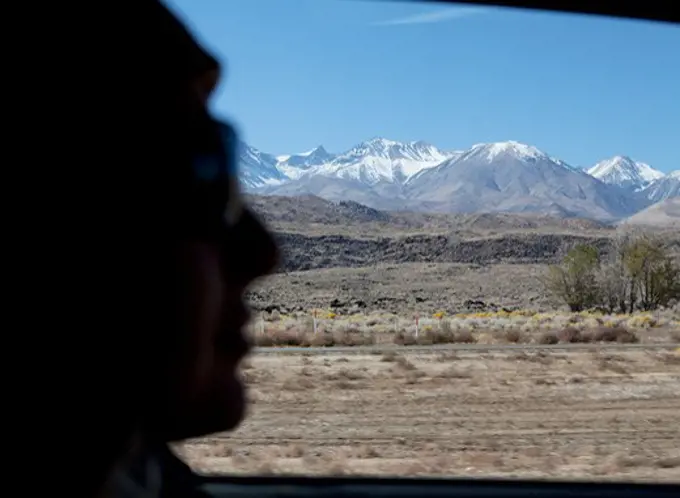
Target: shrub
x: 465, y: 337
x: 638, y: 274
x: 513, y: 336
x: 570, y: 335
x: 615, y: 334
x: 574, y: 280
x: 548, y: 338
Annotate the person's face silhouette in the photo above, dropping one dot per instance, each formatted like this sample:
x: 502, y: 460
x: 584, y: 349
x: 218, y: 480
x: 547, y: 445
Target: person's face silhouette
x: 225, y: 249
x: 214, y: 277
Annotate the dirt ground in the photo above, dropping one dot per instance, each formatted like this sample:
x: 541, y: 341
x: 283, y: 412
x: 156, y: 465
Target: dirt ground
x: 409, y: 287
x: 609, y: 415
x: 423, y: 287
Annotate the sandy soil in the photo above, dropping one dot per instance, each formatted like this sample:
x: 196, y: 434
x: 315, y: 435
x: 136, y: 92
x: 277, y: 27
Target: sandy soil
x: 567, y: 415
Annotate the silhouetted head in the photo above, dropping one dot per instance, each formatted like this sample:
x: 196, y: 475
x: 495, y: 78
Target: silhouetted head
x: 164, y: 286
x: 211, y: 248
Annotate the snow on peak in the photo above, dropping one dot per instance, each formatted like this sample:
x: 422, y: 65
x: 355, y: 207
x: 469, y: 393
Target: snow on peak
x: 381, y: 141
x: 518, y: 150
x: 663, y: 188
x: 316, y: 150
x: 377, y: 146
x: 295, y: 165
x: 257, y: 168
x: 381, y: 159
x: 625, y: 172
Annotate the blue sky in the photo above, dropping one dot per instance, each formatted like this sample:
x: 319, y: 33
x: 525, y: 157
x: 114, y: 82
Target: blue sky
x: 300, y: 73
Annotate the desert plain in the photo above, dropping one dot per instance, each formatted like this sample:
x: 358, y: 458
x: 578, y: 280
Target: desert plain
x: 366, y: 390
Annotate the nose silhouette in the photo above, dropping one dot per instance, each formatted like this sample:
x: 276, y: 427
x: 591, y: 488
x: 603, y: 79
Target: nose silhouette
x: 249, y: 250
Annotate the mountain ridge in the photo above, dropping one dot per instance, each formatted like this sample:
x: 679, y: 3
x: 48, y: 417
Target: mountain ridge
x: 625, y: 172
x: 665, y: 213
x: 507, y: 176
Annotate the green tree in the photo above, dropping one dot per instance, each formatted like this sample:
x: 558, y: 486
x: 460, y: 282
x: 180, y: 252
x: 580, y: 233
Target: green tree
x: 574, y: 281
x: 637, y: 273
x: 655, y: 278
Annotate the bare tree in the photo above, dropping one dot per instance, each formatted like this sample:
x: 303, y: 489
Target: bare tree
x: 617, y: 290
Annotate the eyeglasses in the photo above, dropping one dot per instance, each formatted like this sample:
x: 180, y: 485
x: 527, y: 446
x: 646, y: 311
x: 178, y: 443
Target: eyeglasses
x: 215, y: 176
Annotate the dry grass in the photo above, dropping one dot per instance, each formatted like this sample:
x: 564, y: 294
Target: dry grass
x: 569, y: 415
x: 501, y: 327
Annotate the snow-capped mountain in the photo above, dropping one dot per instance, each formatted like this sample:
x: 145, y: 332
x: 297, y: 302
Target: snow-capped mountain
x: 491, y: 177
x: 625, y: 173
x: 515, y: 177
x: 382, y: 160
x: 258, y: 169
x: 663, y: 188
x: 295, y: 165
x: 489, y: 152
x: 370, y: 162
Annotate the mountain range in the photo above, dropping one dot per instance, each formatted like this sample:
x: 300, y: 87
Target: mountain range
x: 489, y: 177
x: 665, y: 213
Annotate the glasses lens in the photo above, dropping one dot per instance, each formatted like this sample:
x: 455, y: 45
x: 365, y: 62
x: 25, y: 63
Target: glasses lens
x: 217, y: 174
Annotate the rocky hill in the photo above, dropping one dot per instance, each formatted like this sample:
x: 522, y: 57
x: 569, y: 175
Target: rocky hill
x: 302, y: 252
x: 312, y: 214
